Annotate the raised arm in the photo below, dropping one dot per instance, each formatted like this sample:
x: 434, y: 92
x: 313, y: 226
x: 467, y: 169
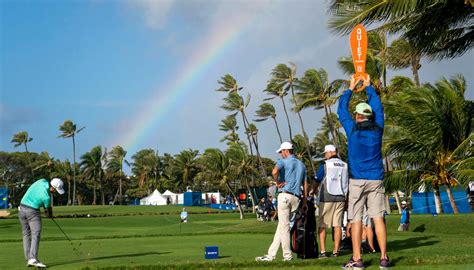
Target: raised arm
x: 343, y: 111
x: 376, y: 104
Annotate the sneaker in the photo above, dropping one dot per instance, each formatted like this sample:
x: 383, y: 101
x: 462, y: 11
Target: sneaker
x: 322, y: 255
x: 265, y: 258
x: 35, y: 263
x: 354, y: 265
x: 287, y: 259
x: 384, y: 263
x: 335, y: 254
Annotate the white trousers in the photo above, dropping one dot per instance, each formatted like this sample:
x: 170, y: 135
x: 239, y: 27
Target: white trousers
x: 287, y: 203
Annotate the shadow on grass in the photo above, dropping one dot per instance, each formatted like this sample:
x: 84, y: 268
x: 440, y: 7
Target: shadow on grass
x: 223, y: 257
x: 420, y: 228
x: 91, y: 259
x: 376, y: 262
x: 414, y: 242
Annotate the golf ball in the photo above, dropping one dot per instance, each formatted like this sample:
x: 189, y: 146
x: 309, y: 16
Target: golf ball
x: 88, y: 215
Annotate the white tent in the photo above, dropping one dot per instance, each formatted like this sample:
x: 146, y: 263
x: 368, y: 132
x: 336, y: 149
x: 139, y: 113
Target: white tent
x: 153, y: 199
x: 172, y: 196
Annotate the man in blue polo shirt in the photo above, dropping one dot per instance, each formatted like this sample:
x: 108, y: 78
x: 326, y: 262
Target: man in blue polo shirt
x: 290, y: 174
x: 38, y: 195
x: 364, y: 134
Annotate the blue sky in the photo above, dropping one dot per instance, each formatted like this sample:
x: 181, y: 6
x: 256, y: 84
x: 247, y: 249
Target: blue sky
x: 101, y: 63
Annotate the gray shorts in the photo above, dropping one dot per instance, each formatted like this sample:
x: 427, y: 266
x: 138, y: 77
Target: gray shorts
x: 365, y: 192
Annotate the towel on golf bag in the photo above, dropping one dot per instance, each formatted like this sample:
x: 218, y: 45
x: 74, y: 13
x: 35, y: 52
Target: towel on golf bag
x: 303, y: 232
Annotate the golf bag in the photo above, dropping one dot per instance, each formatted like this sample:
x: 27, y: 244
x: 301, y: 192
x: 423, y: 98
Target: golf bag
x: 303, y: 232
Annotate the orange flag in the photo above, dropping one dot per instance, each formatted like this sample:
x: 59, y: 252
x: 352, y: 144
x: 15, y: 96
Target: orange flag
x: 358, y: 39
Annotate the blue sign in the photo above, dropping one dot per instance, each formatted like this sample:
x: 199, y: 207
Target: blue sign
x: 211, y: 252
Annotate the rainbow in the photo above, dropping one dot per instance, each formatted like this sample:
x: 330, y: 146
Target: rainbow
x: 222, y: 36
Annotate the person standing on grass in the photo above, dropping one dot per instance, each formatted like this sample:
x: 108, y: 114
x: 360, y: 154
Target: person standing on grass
x: 364, y: 134
x: 290, y: 174
x: 405, y: 220
x: 38, y: 195
x: 333, y: 177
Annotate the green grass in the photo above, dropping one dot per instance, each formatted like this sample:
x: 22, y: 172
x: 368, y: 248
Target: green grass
x: 151, y: 240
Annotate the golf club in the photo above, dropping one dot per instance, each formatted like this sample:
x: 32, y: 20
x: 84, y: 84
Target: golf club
x: 69, y: 239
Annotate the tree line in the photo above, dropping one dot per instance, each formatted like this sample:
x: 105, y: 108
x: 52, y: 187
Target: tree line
x: 428, y: 139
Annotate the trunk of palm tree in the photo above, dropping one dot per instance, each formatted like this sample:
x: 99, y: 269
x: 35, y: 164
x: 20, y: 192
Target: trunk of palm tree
x: 95, y: 195
x: 415, y: 66
x: 387, y: 204
x: 287, y: 118
x: 262, y: 169
x: 74, y: 171
x: 451, y: 199
x: 252, y: 196
x: 304, y: 134
x: 437, y: 198
x: 248, y: 135
x: 278, y: 129
x: 68, y: 192
x: 397, y: 199
x: 29, y: 161
x: 331, y: 127
x: 241, y: 211
x: 102, y: 195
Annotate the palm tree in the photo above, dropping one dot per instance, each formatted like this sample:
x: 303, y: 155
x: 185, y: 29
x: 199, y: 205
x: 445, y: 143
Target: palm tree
x: 432, y: 122
x: 235, y: 103
x: 69, y: 130
x: 146, y: 166
x: 276, y: 90
x: 186, y: 163
x: 23, y: 138
x: 402, y: 54
x: 219, y: 167
x: 315, y: 91
x: 91, y: 167
x: 115, y: 162
x: 285, y: 76
x: 417, y: 21
x: 229, y: 124
x: 267, y: 110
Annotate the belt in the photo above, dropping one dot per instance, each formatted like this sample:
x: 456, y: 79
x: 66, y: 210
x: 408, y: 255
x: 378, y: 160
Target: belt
x: 29, y: 207
x: 291, y: 193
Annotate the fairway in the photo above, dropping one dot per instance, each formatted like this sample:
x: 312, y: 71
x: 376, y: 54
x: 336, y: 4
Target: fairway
x: 155, y: 240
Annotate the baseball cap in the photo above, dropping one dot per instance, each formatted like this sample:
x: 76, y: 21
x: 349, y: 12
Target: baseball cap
x: 364, y: 109
x: 284, y: 146
x: 57, y: 184
x: 404, y: 202
x: 329, y: 148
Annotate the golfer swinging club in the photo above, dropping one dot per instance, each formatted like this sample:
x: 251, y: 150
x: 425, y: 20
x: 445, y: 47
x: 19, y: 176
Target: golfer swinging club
x: 38, y: 195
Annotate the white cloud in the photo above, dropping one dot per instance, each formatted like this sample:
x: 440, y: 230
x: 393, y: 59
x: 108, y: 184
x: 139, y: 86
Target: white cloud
x: 155, y: 12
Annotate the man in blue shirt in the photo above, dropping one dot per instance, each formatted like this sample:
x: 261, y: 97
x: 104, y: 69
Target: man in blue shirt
x: 364, y: 135
x: 38, y: 195
x: 290, y: 174
x: 405, y: 219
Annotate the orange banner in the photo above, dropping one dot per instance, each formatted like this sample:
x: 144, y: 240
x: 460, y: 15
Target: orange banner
x: 358, y: 39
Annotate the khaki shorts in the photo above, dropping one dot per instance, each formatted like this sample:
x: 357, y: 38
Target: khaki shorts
x: 330, y: 214
x: 365, y: 192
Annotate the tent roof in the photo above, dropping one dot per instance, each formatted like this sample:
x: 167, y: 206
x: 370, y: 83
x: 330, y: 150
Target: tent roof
x: 168, y: 193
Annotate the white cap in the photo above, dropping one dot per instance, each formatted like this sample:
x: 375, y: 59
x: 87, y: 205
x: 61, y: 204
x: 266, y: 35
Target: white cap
x: 284, y: 146
x: 329, y: 148
x: 404, y: 202
x: 57, y: 184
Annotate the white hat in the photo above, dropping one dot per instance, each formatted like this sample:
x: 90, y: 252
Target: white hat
x: 404, y: 202
x: 284, y: 146
x: 364, y: 109
x: 57, y: 184
x: 329, y: 148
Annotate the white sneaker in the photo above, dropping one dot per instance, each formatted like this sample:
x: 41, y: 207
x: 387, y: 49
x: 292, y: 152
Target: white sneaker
x: 264, y: 258
x: 36, y: 263
x: 287, y: 259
